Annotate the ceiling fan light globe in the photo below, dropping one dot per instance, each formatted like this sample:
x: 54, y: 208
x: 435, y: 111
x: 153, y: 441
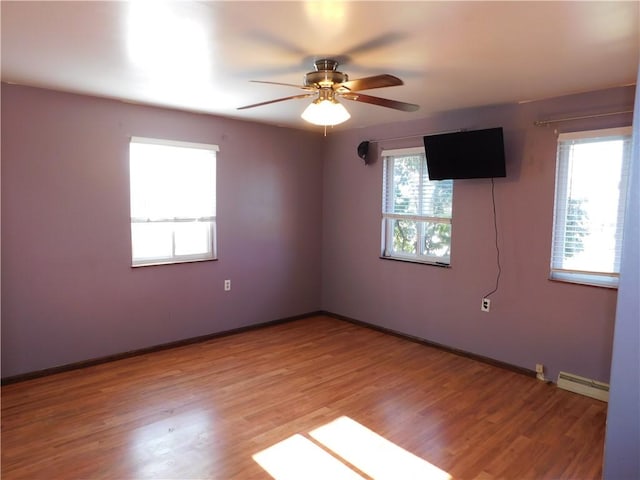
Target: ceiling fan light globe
x: 325, y: 113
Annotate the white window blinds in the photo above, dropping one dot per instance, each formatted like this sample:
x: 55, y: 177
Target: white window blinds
x: 591, y: 189
x: 173, y: 201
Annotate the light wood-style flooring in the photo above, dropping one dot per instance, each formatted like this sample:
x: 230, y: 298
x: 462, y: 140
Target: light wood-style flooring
x: 208, y: 410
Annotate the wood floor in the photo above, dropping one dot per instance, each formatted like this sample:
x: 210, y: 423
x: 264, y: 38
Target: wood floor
x: 205, y: 410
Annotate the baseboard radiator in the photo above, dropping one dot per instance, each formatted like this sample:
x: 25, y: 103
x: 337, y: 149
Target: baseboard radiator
x: 583, y: 386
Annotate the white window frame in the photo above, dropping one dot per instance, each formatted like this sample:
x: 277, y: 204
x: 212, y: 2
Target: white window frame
x: 388, y: 216
x: 211, y: 232
x: 558, y: 272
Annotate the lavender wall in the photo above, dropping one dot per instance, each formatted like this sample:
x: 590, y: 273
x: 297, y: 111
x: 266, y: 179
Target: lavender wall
x: 532, y: 320
x: 622, y: 445
x: 299, y: 230
x: 68, y: 291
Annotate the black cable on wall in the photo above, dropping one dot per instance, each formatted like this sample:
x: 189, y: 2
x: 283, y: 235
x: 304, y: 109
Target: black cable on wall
x: 495, y: 228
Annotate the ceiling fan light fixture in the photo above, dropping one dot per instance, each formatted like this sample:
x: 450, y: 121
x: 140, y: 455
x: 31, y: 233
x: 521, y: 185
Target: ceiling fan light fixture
x: 328, y: 83
x: 325, y: 112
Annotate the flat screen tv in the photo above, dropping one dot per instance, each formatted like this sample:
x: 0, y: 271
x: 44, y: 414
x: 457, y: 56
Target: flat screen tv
x: 470, y: 154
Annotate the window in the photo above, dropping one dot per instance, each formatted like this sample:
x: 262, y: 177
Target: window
x: 416, y: 212
x: 173, y: 201
x: 591, y: 186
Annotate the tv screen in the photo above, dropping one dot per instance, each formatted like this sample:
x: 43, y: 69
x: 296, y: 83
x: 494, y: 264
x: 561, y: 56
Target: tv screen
x: 471, y: 154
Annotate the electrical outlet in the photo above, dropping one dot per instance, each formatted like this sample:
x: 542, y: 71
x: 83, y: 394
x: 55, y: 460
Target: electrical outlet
x: 539, y: 368
x: 227, y: 285
x: 486, y: 305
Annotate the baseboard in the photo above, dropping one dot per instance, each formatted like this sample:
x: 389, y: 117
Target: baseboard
x: 188, y: 341
x: 429, y: 343
x: 142, y: 351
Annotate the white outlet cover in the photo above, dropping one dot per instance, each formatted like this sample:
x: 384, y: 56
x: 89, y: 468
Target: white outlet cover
x: 485, y: 305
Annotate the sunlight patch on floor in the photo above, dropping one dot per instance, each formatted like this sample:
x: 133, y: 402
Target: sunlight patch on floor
x: 298, y: 457
x: 373, y: 454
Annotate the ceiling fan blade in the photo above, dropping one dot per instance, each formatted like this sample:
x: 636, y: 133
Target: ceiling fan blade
x: 285, y: 84
x: 303, y: 95
x: 383, y: 40
x: 266, y: 38
x: 366, y: 83
x: 383, y: 102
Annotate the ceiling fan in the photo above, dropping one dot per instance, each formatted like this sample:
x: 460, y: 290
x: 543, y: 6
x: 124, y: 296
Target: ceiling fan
x: 328, y: 84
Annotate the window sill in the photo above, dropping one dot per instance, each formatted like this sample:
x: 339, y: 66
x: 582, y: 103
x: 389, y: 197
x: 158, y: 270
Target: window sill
x: 585, y: 279
x: 421, y: 262
x: 173, y: 262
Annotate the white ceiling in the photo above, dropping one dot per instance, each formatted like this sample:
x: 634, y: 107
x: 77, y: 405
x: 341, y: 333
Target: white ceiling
x: 199, y: 56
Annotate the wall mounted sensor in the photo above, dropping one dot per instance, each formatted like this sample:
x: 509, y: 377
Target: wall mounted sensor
x: 363, y: 152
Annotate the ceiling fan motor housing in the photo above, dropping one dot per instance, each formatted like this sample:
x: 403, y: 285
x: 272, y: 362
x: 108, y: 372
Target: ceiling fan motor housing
x: 325, y: 75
